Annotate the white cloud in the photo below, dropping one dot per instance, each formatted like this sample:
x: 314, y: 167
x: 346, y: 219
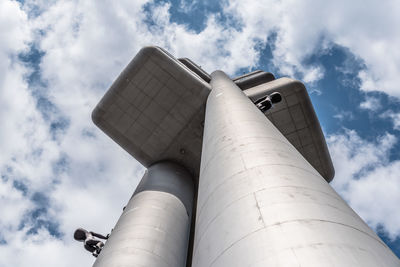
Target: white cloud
x: 93, y: 184
x: 14, y: 28
x: 367, y: 179
x: 394, y: 117
x: 313, y: 74
x: 371, y: 103
x: 304, y: 28
x: 376, y: 195
x: 187, y: 6
x: 344, y: 115
x: 42, y: 250
x: 13, y: 205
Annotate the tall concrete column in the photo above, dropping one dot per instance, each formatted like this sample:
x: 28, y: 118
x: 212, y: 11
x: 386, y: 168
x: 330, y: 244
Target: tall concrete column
x: 153, y: 230
x: 260, y: 203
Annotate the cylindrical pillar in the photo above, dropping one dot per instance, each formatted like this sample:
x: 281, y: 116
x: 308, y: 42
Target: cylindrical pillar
x: 153, y: 230
x: 260, y: 203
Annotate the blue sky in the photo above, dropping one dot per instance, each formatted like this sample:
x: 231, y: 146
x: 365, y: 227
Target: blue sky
x: 57, y: 58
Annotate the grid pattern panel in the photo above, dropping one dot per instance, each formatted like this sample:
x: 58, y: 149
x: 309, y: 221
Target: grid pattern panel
x: 155, y: 110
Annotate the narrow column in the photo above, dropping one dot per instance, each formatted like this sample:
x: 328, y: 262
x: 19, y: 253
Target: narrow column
x: 153, y: 230
x: 260, y: 203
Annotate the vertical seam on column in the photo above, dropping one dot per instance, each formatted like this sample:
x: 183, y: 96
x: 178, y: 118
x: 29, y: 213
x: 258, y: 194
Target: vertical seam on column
x: 258, y: 209
x: 297, y: 259
x: 234, y: 243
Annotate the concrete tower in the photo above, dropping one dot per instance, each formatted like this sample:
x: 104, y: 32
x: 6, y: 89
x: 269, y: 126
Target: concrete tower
x: 226, y: 185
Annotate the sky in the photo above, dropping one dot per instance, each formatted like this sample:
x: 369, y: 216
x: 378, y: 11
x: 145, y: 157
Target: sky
x: 58, y: 58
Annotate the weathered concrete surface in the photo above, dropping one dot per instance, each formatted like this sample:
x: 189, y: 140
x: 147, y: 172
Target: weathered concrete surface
x: 260, y: 203
x: 153, y: 230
